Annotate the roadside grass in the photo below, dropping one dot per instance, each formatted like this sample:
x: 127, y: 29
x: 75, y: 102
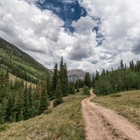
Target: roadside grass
x: 65, y: 122
x: 125, y: 103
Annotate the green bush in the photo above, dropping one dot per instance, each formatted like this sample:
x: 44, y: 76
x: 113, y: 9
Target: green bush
x: 3, y: 127
x: 47, y: 111
x: 57, y: 102
x: 86, y: 90
x: 77, y: 90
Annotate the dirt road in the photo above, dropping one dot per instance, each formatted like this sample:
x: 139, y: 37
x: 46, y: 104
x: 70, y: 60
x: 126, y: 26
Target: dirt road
x: 105, y: 124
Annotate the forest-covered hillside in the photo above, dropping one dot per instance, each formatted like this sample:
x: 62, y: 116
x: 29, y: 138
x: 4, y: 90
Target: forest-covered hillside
x: 22, y: 84
x: 20, y: 64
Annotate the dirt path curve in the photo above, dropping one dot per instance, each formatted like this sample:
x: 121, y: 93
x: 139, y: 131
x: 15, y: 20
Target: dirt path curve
x: 105, y: 124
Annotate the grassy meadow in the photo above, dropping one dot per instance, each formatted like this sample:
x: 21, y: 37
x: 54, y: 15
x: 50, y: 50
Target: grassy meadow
x: 125, y: 103
x: 64, y: 122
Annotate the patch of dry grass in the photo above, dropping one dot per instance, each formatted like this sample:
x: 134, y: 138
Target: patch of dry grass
x: 125, y: 103
x: 65, y: 122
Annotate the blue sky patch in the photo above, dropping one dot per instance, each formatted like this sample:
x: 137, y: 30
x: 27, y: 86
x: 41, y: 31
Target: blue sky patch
x: 68, y: 11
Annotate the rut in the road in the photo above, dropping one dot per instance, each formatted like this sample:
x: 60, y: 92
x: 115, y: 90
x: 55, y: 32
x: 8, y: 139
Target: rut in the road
x: 106, y: 124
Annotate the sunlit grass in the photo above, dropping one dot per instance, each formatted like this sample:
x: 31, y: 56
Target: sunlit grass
x: 125, y: 103
x: 65, y: 122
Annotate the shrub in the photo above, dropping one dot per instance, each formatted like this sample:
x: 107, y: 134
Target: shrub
x: 86, y: 90
x: 47, y: 111
x: 3, y: 127
x: 57, y: 102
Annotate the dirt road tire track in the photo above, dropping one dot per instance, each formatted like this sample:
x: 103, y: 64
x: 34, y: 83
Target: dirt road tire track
x: 105, y: 124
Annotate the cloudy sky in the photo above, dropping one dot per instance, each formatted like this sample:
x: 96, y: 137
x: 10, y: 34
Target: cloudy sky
x: 89, y: 34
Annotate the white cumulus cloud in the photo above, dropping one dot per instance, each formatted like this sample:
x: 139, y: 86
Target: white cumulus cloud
x: 41, y: 34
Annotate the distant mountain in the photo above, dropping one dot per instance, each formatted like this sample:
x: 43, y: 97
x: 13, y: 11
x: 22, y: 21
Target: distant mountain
x: 20, y: 64
x: 76, y: 74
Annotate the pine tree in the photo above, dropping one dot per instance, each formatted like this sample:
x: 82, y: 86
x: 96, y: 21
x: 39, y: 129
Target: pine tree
x: 2, y: 111
x: 58, y: 94
x: 17, y: 109
x: 8, y: 109
x: 103, y: 72
x: 71, y: 88
x: 87, y: 80
x: 21, y: 116
x: 30, y: 103
x: 77, y: 86
x: 25, y: 103
x: 54, y: 82
x: 63, y: 78
x: 43, y: 101
x: 97, y: 75
x: 121, y: 65
x: 48, y: 85
x: 30, y: 97
x: 7, y: 76
x: 66, y: 80
x: 86, y: 90
x: 93, y: 81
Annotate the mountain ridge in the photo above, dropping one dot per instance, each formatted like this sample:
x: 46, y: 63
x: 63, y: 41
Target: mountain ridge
x: 76, y: 74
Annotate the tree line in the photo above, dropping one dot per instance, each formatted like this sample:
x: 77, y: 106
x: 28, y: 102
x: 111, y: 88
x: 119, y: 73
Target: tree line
x: 123, y: 78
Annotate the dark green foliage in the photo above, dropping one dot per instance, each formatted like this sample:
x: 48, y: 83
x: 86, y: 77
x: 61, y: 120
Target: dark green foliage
x: 8, y: 108
x: 86, y: 90
x: 71, y: 88
x: 66, y: 80
x: 54, y: 83
x: 48, y: 111
x: 97, y: 75
x: 30, y: 97
x: 77, y: 86
x: 2, y: 111
x: 17, y: 109
x: 80, y: 83
x: 87, y: 80
x: 43, y: 102
x: 93, y: 81
x: 57, y: 102
x: 3, y: 127
x: 25, y: 103
x: 77, y: 89
x: 21, y: 116
x: 121, y: 65
x: 58, y: 94
x: 59, y: 84
x: 63, y: 78
x: 121, y: 79
x: 48, y: 85
x: 35, y: 108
